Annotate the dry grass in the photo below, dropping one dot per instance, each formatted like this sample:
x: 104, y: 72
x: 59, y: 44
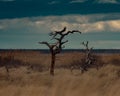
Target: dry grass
x: 26, y: 82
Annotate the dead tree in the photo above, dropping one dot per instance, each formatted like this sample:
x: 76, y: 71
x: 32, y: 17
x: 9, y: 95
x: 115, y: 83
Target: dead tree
x: 57, y: 47
x: 89, y: 59
x: 6, y: 61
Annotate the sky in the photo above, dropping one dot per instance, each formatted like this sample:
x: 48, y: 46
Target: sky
x: 24, y: 23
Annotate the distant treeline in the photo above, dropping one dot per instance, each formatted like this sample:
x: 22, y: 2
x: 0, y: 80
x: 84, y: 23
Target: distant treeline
x: 113, y: 51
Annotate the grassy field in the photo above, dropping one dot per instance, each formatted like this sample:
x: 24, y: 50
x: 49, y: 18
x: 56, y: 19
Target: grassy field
x: 31, y: 76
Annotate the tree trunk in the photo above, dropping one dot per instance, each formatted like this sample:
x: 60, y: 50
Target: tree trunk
x: 52, y: 64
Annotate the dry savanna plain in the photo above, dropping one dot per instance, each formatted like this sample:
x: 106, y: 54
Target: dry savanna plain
x: 28, y: 75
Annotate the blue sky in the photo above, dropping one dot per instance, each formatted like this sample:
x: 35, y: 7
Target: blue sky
x: 23, y: 23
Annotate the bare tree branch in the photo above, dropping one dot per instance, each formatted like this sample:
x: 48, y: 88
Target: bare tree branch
x: 73, y: 31
x: 64, y: 42
x: 64, y: 29
x: 46, y: 43
x: 62, y: 33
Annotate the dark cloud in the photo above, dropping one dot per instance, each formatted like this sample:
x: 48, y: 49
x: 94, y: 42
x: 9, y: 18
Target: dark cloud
x: 21, y: 8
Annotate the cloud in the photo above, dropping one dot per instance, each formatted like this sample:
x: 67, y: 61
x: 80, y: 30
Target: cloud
x: 84, y: 23
x: 53, y: 2
x: 78, y: 1
x: 102, y: 26
x: 107, y: 1
x: 22, y: 25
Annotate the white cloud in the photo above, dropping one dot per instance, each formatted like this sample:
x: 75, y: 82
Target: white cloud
x: 102, y: 26
x: 84, y: 23
x: 87, y: 23
x: 78, y: 1
x: 107, y: 1
x: 24, y: 25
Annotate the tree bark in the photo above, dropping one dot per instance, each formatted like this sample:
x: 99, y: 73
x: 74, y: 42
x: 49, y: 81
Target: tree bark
x: 52, y: 63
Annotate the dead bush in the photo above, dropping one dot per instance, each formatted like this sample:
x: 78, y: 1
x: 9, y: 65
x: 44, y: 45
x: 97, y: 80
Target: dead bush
x: 115, y: 61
